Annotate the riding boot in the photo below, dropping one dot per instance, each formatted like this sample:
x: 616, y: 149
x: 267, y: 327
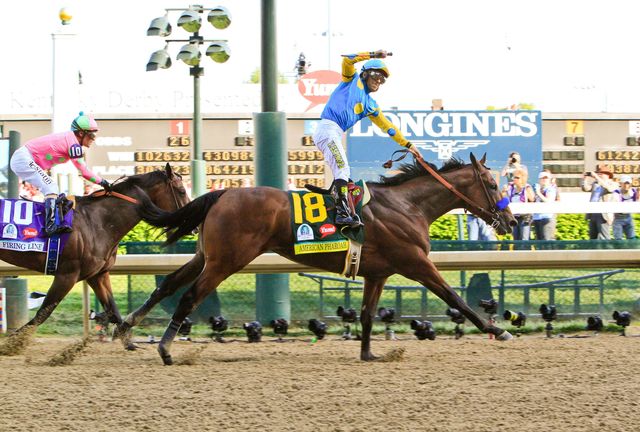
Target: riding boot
x: 343, y: 210
x: 50, y: 216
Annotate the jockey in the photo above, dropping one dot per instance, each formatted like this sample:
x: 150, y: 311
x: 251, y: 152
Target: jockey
x: 349, y: 103
x: 31, y: 161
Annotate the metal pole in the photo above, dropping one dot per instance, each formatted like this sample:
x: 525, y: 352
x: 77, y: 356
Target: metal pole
x: 13, y: 186
x: 85, y: 309
x: 273, y: 299
x: 198, y: 176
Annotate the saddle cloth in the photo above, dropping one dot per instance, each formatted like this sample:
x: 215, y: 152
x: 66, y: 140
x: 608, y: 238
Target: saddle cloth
x: 22, y: 226
x: 313, y: 224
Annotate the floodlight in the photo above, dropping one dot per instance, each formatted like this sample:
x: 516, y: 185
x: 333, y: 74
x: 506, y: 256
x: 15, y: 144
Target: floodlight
x: 159, y: 27
x: 219, y: 17
x: 490, y: 306
x: 190, y: 54
x: 219, y: 52
x: 159, y: 59
x: 190, y: 20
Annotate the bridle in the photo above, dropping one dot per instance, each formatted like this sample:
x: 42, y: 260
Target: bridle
x: 492, y: 214
x: 115, y: 194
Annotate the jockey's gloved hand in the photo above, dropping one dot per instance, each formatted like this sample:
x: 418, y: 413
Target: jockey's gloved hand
x: 105, y: 185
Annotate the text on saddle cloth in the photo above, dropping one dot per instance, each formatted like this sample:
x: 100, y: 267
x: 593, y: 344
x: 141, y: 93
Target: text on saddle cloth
x: 313, y: 216
x: 22, y: 225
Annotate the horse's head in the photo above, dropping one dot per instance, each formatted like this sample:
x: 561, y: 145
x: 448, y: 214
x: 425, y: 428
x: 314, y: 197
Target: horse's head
x: 485, y: 194
x: 163, y: 187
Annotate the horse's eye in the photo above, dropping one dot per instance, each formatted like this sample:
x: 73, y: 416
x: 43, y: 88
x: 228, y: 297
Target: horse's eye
x: 493, y: 186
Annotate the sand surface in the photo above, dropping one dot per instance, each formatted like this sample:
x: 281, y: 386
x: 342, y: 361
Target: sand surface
x: 471, y: 384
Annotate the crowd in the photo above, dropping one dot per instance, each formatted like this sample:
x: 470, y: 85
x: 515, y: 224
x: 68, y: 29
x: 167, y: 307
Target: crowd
x: 601, y: 183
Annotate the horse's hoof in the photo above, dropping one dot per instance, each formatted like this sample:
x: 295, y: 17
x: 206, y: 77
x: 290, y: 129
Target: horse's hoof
x: 165, y: 356
x: 368, y: 357
x: 120, y: 331
x: 504, y: 336
x: 131, y: 346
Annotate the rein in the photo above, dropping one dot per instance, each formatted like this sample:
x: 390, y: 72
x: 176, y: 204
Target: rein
x: 479, y: 211
x: 115, y: 195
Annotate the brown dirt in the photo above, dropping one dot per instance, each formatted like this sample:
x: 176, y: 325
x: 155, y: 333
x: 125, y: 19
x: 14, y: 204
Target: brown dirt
x: 472, y: 384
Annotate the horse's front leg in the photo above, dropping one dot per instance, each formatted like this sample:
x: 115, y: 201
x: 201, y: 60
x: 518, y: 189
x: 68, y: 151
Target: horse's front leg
x: 101, y: 286
x: 179, y: 278
x: 372, y: 292
x: 60, y: 287
x: 428, y: 275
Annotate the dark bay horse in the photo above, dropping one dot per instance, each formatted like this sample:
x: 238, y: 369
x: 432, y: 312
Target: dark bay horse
x: 99, y: 224
x: 240, y: 224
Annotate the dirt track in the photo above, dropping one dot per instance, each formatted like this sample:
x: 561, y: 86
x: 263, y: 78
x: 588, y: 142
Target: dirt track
x: 473, y: 384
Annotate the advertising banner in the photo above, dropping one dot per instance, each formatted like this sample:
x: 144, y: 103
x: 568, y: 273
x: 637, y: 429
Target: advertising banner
x: 441, y: 135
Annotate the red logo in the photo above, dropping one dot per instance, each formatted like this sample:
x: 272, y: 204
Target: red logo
x: 29, y: 232
x: 327, y: 230
x: 317, y: 86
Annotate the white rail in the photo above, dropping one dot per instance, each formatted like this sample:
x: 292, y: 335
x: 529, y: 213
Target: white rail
x: 468, y: 260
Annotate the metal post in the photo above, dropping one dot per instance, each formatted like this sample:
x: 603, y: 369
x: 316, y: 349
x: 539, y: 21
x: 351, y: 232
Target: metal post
x: 198, y: 176
x: 86, y: 301
x: 13, y: 186
x: 273, y: 299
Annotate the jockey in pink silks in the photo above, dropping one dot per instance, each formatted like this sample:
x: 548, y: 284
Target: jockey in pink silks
x: 31, y: 161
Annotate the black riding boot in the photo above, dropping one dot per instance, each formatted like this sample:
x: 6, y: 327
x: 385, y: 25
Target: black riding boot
x: 343, y: 210
x: 50, y: 212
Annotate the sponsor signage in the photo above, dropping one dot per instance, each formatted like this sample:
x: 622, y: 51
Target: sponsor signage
x: 317, y: 86
x: 441, y: 135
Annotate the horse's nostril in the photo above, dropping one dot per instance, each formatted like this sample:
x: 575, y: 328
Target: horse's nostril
x: 513, y: 223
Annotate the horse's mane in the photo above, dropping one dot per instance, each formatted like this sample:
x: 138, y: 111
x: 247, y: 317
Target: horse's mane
x: 125, y: 185
x: 412, y: 170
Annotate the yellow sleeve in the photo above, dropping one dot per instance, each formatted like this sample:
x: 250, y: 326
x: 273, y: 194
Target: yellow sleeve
x: 386, y: 126
x: 348, y: 64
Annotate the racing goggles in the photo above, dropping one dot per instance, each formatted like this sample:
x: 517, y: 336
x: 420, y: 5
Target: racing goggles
x: 377, y: 76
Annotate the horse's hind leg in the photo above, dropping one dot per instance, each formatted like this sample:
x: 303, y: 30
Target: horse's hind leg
x: 179, y: 278
x: 208, y: 281
x: 427, y: 274
x: 372, y: 292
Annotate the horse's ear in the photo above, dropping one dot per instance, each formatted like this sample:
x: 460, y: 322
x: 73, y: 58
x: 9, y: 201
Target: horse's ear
x: 473, y: 159
x: 168, y: 170
x: 484, y: 159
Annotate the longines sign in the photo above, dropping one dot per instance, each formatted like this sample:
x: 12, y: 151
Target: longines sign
x: 444, y: 134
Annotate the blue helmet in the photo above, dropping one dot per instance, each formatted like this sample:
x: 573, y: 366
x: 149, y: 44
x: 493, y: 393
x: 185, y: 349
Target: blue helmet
x: 376, y: 64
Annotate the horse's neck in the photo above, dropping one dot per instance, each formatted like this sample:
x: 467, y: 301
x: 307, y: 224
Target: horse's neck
x: 431, y: 197
x: 120, y: 215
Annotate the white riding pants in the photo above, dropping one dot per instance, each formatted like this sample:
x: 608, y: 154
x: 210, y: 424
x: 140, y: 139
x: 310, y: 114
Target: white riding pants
x: 328, y: 139
x: 27, y: 169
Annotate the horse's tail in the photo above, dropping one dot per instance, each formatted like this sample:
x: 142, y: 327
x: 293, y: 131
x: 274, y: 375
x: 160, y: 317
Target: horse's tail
x: 184, y: 220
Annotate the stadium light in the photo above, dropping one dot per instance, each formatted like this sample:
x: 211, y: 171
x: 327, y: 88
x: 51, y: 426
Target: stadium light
x: 190, y: 20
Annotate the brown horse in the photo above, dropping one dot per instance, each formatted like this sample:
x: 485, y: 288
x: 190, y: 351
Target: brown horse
x: 240, y: 224
x: 100, y: 221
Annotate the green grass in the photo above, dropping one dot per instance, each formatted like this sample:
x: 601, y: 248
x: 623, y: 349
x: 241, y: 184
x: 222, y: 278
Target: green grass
x: 237, y: 296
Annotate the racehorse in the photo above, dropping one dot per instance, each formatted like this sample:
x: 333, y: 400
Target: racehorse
x: 240, y: 224
x: 99, y: 223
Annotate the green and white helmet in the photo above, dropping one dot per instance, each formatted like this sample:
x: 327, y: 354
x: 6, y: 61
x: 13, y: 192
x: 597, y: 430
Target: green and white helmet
x: 84, y: 123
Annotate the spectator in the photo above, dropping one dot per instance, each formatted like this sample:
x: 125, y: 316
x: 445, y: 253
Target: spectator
x: 477, y: 229
x: 513, y: 163
x: 623, y: 222
x: 30, y: 192
x: 519, y: 191
x: 544, y: 224
x: 602, y: 187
